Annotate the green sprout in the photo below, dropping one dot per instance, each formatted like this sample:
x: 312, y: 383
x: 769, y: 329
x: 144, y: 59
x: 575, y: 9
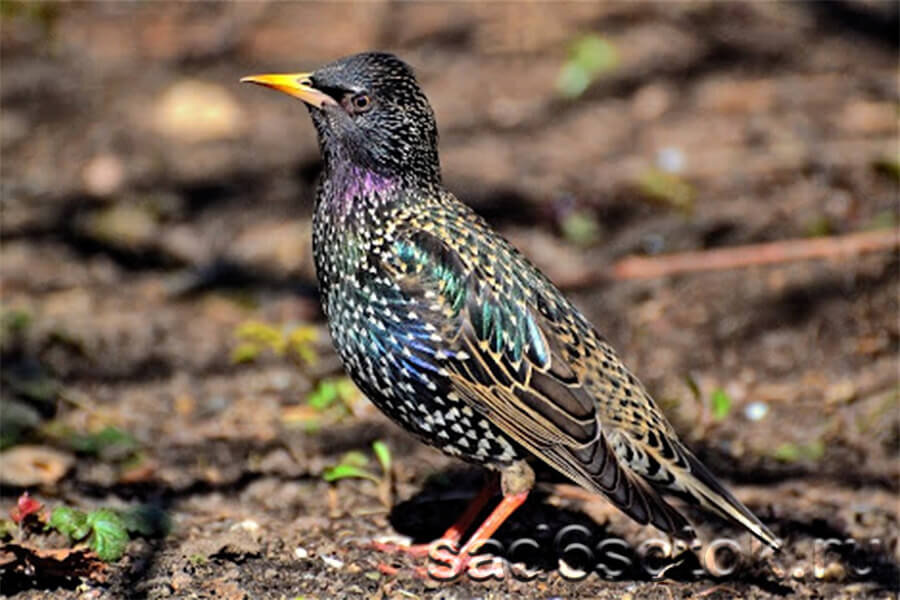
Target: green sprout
x: 789, y: 452
x: 353, y: 463
x: 383, y: 454
x: 108, y: 443
x: 256, y: 337
x: 666, y: 189
x: 13, y: 322
x: 351, y: 466
x: 332, y: 389
x: 721, y: 404
x: 589, y: 57
x: 581, y: 228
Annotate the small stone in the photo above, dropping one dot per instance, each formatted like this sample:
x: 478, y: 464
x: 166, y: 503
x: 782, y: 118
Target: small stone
x: 650, y: 102
x: 670, y: 160
x: 27, y: 465
x: 756, y: 411
x: 300, y: 553
x: 332, y: 562
x: 833, y: 571
x: 247, y: 525
x: 103, y: 175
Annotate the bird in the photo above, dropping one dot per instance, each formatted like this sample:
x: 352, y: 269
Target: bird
x: 456, y: 336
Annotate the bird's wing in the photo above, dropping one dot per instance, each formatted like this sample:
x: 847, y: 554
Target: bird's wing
x: 516, y: 358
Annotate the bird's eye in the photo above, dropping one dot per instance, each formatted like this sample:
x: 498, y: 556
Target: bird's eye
x: 361, y: 102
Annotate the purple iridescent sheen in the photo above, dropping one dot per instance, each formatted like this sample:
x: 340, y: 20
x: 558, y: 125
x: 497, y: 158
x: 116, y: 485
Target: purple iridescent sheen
x: 356, y: 187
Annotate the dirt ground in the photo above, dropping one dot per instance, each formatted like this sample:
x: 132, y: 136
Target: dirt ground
x: 152, y: 207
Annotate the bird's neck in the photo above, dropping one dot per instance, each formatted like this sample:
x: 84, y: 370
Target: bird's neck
x: 349, y: 189
x: 352, y: 193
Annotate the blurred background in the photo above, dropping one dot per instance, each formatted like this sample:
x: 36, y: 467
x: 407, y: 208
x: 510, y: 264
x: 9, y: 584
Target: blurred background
x: 164, y: 354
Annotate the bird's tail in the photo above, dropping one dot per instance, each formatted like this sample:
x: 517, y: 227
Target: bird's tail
x: 702, y: 486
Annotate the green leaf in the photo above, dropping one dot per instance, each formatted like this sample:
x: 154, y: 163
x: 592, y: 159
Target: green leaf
x: 245, y: 353
x: 589, y: 57
x: 110, y: 535
x: 70, y: 522
x: 789, y: 452
x: 572, y: 81
x: 667, y: 189
x: 300, y: 341
x: 13, y: 322
x: 721, y: 404
x: 261, y: 333
x: 109, y: 442
x: 594, y: 54
x: 581, y: 228
x: 7, y: 529
x: 355, y: 458
x: 324, y: 395
x: 346, y: 389
x: 343, y: 471
x: 693, y: 386
x: 383, y: 454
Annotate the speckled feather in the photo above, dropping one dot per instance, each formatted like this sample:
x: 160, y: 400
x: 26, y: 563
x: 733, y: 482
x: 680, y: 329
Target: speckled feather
x: 461, y: 340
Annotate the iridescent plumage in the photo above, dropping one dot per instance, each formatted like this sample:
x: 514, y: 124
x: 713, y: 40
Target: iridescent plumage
x: 456, y: 336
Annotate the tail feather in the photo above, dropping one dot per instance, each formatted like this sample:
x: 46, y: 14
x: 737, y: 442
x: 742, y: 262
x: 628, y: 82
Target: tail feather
x: 598, y: 468
x: 702, y: 486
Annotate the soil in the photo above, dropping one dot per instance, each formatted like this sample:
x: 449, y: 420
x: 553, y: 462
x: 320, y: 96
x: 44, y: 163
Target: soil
x: 151, y: 206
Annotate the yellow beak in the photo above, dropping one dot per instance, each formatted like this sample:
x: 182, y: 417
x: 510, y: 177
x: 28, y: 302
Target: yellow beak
x: 297, y: 85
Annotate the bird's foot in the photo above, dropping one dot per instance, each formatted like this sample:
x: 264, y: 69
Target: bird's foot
x: 447, y: 563
x: 399, y: 546
x: 443, y: 560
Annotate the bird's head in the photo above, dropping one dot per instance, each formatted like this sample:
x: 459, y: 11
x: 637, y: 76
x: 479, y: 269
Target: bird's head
x: 369, y: 110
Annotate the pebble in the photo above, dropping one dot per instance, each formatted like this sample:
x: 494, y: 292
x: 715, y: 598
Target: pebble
x: 332, y: 562
x: 247, y: 525
x: 756, y: 411
x: 103, y: 175
x: 300, y: 553
x: 670, y: 160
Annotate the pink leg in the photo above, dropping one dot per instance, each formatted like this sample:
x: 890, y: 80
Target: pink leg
x: 455, y: 565
x: 454, y: 534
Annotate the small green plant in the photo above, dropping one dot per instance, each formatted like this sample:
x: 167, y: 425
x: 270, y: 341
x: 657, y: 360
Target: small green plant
x: 720, y: 403
x: 383, y: 454
x: 108, y: 443
x: 331, y: 390
x: 589, y: 57
x: 666, y: 189
x: 353, y: 466
x: 256, y: 337
x: 106, y: 531
x: 330, y: 401
x: 103, y: 530
x: 13, y: 322
x: 581, y: 227
x: 789, y: 452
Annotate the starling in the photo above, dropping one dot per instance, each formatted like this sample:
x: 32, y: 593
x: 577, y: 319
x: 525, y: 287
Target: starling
x: 455, y: 335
